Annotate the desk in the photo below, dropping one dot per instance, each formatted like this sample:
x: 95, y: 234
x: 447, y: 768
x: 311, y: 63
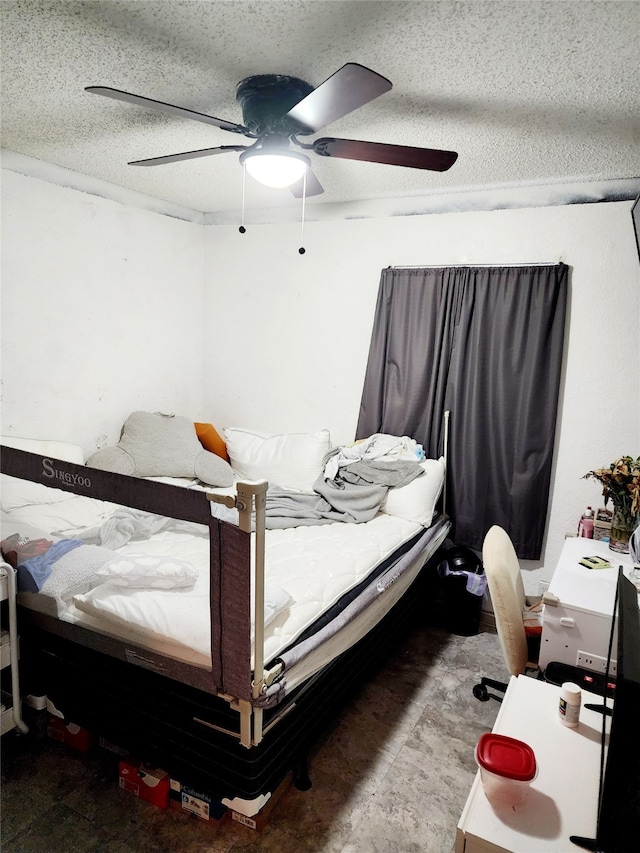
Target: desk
x: 562, y: 800
x: 576, y: 630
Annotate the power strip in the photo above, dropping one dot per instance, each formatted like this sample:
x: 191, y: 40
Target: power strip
x: 595, y: 682
x: 597, y: 663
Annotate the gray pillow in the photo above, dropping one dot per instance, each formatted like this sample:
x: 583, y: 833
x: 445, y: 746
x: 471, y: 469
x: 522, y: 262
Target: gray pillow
x: 157, y: 445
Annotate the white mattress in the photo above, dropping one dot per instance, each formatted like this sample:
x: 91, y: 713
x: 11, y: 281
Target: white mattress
x: 313, y: 565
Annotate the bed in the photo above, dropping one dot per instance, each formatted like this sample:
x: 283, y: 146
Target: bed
x: 213, y: 631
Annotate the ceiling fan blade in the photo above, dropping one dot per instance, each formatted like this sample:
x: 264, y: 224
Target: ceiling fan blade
x: 141, y: 101
x: 380, y: 152
x: 313, y: 187
x: 187, y: 155
x: 350, y: 87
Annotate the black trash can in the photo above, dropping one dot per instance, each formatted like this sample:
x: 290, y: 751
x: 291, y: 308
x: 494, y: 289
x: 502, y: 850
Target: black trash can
x: 463, y: 583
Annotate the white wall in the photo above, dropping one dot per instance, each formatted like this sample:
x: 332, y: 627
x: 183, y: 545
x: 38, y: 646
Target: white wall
x: 292, y: 351
x: 101, y: 313
x: 107, y: 308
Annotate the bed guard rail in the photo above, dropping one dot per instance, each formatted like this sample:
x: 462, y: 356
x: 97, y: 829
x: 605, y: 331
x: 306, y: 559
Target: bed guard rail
x: 250, y: 500
x: 178, y: 503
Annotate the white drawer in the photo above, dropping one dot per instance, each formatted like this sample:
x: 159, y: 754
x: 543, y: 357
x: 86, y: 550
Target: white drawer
x: 5, y: 649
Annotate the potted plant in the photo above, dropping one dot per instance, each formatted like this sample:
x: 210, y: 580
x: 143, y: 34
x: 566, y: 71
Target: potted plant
x: 621, y: 482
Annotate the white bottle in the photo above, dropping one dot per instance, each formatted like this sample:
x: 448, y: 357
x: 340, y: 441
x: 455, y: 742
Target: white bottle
x: 569, y: 707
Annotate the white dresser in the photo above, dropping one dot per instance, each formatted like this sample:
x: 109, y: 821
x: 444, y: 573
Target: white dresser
x: 576, y: 621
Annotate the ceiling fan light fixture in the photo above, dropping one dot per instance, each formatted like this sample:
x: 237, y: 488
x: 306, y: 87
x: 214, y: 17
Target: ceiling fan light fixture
x: 275, y: 170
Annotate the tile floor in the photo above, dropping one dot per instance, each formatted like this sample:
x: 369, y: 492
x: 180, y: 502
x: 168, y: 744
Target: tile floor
x: 391, y: 776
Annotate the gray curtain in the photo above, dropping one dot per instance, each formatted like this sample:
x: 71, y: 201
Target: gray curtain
x: 485, y: 344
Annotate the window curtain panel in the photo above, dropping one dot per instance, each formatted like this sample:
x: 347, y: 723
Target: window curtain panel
x: 485, y: 343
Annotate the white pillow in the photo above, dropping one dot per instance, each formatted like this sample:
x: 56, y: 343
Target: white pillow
x: 144, y: 571
x: 291, y: 461
x: 16, y: 492
x: 417, y: 500
x: 56, y: 449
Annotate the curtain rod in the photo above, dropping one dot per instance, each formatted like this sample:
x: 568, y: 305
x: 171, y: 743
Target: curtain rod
x: 484, y: 266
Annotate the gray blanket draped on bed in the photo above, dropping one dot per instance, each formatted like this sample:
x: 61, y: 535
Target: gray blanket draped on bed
x: 355, y: 495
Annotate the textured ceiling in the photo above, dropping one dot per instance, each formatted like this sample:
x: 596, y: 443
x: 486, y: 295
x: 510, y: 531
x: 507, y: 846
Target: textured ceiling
x: 528, y: 93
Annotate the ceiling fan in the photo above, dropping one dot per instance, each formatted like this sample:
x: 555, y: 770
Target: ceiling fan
x: 277, y: 109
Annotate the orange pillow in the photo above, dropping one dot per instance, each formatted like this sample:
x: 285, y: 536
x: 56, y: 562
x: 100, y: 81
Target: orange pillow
x: 211, y: 440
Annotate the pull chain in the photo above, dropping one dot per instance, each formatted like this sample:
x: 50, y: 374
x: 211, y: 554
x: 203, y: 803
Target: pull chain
x: 242, y: 229
x: 302, y: 250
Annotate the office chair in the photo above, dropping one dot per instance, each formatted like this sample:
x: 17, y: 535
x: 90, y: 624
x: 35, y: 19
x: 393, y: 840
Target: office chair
x: 511, y: 609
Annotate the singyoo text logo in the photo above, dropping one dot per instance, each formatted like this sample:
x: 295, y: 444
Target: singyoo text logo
x: 51, y: 472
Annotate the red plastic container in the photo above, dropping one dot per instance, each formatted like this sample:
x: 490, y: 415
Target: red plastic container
x: 507, y: 767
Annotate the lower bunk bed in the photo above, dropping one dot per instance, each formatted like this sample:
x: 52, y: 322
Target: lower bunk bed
x: 195, y: 636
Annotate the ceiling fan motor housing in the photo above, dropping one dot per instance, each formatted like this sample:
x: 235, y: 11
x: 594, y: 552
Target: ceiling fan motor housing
x: 266, y: 99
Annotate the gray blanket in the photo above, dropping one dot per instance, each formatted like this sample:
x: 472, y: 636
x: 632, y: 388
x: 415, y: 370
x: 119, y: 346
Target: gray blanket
x: 354, y: 496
